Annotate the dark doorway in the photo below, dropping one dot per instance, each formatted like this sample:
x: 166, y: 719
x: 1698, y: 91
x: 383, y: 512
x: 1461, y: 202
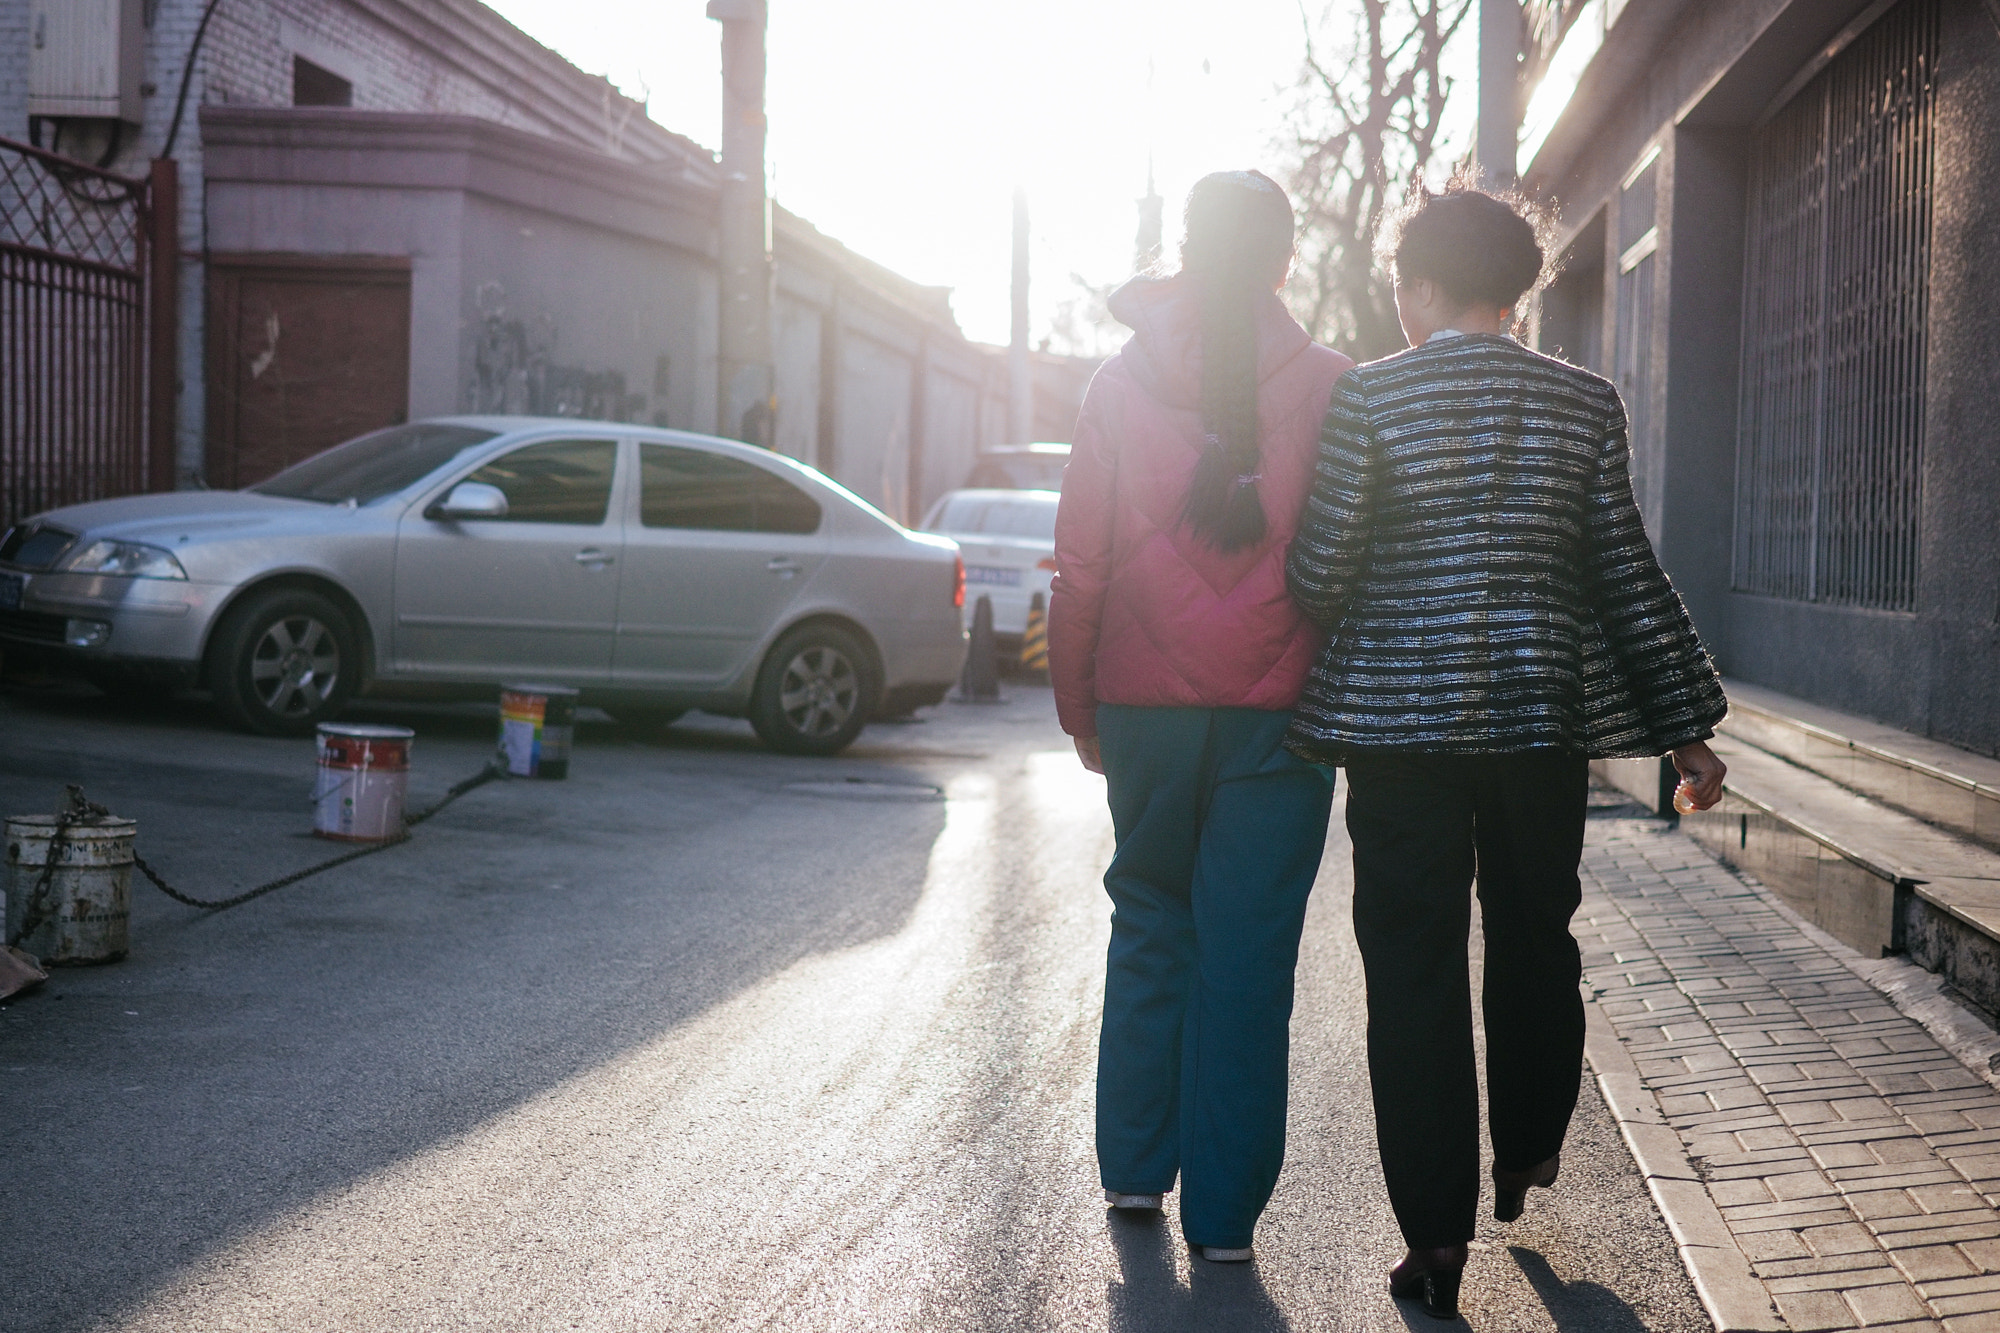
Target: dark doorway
x: 303, y: 352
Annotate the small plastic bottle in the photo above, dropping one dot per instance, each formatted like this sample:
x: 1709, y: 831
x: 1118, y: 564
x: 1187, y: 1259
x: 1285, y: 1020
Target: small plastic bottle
x: 1684, y: 797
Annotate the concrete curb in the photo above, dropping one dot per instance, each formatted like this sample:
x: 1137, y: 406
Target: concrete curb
x: 1733, y: 1296
x: 1917, y: 994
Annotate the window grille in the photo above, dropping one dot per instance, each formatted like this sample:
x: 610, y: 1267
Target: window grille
x: 1830, y: 437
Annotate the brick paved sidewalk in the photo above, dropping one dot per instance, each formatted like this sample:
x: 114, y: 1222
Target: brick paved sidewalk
x: 1854, y: 1160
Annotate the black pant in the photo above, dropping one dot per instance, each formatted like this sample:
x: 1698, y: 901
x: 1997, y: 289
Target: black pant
x: 1421, y: 824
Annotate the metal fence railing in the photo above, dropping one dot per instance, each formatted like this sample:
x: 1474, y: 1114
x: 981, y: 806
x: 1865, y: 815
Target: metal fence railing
x: 1830, y: 439
x: 75, y: 244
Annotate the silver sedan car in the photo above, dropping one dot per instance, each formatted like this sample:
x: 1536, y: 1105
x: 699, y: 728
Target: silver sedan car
x: 655, y: 570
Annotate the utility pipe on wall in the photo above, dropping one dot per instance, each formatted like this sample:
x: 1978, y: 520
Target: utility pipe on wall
x: 1498, y: 142
x: 746, y: 387
x: 1020, y: 374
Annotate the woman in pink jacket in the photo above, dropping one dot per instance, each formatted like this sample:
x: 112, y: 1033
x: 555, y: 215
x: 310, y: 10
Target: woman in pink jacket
x: 1177, y: 652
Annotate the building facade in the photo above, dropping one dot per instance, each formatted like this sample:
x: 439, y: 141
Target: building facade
x: 1778, y: 223
x: 403, y: 208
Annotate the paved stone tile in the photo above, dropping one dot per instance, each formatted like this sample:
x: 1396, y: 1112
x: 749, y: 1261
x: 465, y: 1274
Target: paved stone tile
x: 1808, y: 1310
x: 1840, y: 1238
x: 1739, y: 1193
x: 1790, y: 1213
x: 1854, y: 1160
x: 1774, y: 1246
x: 1929, y: 1263
x: 1973, y: 1323
x: 1985, y: 1284
x: 1881, y: 1305
x: 1948, y: 1198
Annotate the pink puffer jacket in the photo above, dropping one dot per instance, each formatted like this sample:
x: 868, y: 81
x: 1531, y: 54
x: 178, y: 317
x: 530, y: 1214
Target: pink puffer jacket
x: 1142, y: 611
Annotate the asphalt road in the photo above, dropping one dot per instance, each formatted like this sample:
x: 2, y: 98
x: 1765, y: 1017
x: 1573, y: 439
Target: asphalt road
x: 700, y: 1038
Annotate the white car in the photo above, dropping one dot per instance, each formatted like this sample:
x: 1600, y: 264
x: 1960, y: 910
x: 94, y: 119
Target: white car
x: 1008, y: 541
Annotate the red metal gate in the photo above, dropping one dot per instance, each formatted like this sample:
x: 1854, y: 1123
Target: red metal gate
x: 80, y: 328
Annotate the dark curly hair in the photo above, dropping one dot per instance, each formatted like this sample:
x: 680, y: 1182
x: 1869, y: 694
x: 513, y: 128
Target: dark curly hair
x: 1483, y: 249
x: 1238, y: 246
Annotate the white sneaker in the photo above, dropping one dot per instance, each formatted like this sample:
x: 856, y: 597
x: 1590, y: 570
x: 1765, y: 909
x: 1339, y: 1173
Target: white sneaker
x: 1149, y: 1202
x: 1216, y: 1254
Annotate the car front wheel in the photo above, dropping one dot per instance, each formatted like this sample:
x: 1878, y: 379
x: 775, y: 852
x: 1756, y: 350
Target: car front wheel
x: 285, y: 661
x: 814, y: 692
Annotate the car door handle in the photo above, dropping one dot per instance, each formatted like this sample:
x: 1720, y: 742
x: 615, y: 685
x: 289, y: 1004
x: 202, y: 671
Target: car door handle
x: 783, y: 564
x: 590, y: 555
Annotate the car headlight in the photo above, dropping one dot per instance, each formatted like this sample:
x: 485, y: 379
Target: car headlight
x: 132, y: 560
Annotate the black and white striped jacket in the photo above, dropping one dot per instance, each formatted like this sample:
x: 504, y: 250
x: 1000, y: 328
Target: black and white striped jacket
x: 1472, y: 547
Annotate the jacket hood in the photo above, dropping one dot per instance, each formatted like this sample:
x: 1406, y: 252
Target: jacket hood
x: 1163, y: 355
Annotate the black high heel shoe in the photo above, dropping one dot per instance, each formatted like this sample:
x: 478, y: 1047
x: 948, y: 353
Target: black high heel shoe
x: 1430, y: 1276
x: 1510, y: 1188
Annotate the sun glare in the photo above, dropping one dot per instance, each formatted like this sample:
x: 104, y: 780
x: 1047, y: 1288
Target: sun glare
x: 900, y: 128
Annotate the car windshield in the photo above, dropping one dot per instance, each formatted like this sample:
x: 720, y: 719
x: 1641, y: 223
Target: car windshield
x: 1030, y: 516
x: 384, y: 462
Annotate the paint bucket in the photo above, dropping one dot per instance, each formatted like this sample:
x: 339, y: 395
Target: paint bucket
x: 364, y: 773
x: 81, y: 913
x: 537, y: 723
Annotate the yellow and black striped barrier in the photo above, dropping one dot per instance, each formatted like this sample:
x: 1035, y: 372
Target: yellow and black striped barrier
x: 1035, y: 639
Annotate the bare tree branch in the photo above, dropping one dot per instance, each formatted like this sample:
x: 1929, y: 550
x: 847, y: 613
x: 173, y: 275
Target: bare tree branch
x: 1365, y: 124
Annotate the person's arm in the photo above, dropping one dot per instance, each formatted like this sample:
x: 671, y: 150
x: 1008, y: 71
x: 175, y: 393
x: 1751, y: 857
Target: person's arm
x: 1083, y: 566
x: 1674, y: 683
x: 1332, y: 540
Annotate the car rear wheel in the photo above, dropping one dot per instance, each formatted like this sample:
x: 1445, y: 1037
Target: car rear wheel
x: 814, y: 693
x: 285, y: 661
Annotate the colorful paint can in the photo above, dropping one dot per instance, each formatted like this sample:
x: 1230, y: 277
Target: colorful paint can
x: 364, y: 774
x: 80, y: 911
x: 537, y: 723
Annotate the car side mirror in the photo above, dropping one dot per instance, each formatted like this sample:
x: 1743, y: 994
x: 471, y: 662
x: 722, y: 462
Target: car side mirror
x: 471, y: 499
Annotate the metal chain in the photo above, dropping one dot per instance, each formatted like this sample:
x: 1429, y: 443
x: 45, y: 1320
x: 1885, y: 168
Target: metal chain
x: 75, y: 807
x: 493, y: 770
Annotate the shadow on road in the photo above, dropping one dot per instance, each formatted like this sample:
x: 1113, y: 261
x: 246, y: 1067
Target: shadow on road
x: 1149, y: 1298
x: 241, y: 1065
x: 1576, y: 1307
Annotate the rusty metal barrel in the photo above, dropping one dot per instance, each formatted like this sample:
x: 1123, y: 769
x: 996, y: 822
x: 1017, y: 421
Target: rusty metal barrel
x: 69, y: 890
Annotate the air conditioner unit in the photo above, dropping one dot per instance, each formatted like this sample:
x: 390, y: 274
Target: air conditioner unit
x: 85, y: 58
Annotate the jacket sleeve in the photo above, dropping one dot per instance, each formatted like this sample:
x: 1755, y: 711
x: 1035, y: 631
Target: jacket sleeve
x: 1083, y: 561
x: 1327, y: 554
x: 1673, y: 683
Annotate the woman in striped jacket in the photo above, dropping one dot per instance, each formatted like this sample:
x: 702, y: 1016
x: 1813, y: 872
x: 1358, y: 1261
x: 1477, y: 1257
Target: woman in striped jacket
x: 1496, y: 618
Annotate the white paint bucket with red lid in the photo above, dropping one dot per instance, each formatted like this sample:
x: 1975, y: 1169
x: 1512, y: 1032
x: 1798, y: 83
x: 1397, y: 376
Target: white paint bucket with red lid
x: 364, y: 774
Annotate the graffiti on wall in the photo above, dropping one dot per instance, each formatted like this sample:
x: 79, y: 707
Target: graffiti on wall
x: 515, y: 370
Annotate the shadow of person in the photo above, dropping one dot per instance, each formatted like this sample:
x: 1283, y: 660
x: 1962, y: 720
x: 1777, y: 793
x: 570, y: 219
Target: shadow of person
x: 1148, y: 1294
x: 1576, y: 1306
x: 1230, y: 1298
x: 1149, y: 1298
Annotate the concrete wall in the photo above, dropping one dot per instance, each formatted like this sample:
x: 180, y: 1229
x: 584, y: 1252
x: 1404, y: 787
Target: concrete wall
x: 1693, y: 91
x: 561, y: 317
x: 547, y: 278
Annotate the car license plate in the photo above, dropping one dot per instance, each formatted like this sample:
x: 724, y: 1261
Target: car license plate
x: 993, y: 574
x: 10, y: 591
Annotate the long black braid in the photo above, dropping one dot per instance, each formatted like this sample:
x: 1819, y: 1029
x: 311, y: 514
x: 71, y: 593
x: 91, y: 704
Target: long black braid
x: 1238, y: 247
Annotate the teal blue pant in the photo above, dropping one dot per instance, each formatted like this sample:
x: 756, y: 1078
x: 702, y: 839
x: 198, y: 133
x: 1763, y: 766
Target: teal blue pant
x: 1219, y: 837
